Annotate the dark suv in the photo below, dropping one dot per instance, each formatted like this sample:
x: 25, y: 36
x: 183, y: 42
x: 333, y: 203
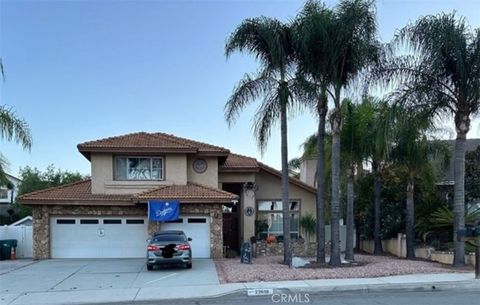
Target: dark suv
x: 169, y: 247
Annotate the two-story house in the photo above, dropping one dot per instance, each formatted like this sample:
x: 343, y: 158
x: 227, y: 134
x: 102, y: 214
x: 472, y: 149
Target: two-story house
x: 8, y: 193
x: 225, y: 199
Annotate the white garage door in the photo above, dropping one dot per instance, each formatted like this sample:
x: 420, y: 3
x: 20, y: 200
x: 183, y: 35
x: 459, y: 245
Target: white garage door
x: 195, y: 227
x: 93, y: 237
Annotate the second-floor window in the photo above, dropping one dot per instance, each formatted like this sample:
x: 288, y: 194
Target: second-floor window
x: 3, y: 194
x: 138, y: 168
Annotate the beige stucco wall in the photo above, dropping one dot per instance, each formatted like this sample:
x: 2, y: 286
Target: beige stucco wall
x: 209, y: 177
x: 235, y: 177
x: 102, y: 170
x: 102, y: 175
x: 269, y: 188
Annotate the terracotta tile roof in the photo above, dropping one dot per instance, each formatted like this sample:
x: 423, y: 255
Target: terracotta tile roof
x: 80, y: 192
x: 236, y: 162
x: 202, y: 147
x: 149, y: 142
x: 291, y: 179
x: 191, y: 192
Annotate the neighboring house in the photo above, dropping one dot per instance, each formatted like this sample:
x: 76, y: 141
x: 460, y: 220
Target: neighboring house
x: 308, y: 171
x: 225, y: 199
x: 8, y: 194
x: 308, y: 167
x: 448, y: 177
x: 447, y: 182
x: 25, y: 221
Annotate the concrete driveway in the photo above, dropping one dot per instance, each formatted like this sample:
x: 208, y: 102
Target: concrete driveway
x: 87, y: 274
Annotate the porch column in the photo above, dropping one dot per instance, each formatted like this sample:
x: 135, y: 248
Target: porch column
x: 248, y: 222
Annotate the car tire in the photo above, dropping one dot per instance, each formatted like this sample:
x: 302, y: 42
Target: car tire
x: 149, y: 267
x: 189, y: 265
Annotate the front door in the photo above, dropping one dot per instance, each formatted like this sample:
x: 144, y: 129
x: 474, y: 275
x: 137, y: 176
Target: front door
x: 230, y: 231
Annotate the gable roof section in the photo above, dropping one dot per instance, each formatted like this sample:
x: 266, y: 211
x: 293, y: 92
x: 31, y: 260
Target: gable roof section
x: 143, y: 142
x: 291, y: 179
x: 191, y: 192
x: 75, y: 193
x: 201, y: 146
x: 238, y: 163
x: 80, y: 193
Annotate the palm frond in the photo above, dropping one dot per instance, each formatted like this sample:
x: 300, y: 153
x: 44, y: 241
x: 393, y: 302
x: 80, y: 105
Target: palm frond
x: 440, y: 61
x: 14, y: 128
x: 294, y: 164
x: 248, y: 89
x: 3, y: 166
x: 265, y: 38
x: 2, y: 69
x: 265, y: 119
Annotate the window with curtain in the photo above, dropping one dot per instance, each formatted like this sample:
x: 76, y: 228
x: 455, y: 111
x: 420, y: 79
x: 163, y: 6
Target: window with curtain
x: 138, y: 168
x: 270, y: 219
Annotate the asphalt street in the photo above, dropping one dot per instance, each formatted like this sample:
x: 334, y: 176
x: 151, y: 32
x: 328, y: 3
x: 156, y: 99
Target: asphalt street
x: 345, y: 298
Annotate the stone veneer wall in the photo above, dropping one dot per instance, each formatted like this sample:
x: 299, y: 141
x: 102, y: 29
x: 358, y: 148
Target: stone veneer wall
x: 263, y: 248
x: 41, y: 215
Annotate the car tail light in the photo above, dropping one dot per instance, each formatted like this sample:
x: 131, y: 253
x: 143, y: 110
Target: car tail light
x: 183, y: 247
x: 153, y: 248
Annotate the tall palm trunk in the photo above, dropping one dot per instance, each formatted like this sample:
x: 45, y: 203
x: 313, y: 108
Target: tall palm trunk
x: 336, y: 121
x: 462, y: 123
x: 350, y: 222
x: 377, y: 188
x: 410, y: 218
x: 287, y: 257
x: 322, y: 113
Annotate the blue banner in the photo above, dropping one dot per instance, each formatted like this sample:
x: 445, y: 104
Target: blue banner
x: 163, y: 210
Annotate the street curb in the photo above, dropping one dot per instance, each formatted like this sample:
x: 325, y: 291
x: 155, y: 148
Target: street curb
x: 389, y: 287
x: 370, y: 288
x: 332, y: 290
x: 277, y: 287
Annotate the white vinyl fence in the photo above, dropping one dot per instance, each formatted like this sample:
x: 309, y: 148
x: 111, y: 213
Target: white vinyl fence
x: 23, y: 235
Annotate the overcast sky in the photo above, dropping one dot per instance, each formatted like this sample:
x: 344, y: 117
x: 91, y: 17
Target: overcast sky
x: 84, y: 70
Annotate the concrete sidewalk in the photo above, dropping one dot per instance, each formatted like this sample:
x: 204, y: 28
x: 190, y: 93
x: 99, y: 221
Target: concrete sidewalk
x: 443, y: 281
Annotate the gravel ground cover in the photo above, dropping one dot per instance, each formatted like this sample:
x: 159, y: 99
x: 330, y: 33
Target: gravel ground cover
x: 272, y: 269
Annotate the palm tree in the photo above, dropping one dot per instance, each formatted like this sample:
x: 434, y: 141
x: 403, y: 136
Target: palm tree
x: 441, y: 71
x: 354, y: 47
x: 313, y: 30
x: 376, y: 143
x: 357, y: 120
x: 12, y: 128
x: 269, y: 41
x: 410, y: 152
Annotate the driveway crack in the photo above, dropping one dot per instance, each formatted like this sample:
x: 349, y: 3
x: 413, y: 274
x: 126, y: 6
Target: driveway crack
x: 136, y: 294
x: 72, y: 274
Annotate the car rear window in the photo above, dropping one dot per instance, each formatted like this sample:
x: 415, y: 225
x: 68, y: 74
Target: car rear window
x: 162, y: 238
